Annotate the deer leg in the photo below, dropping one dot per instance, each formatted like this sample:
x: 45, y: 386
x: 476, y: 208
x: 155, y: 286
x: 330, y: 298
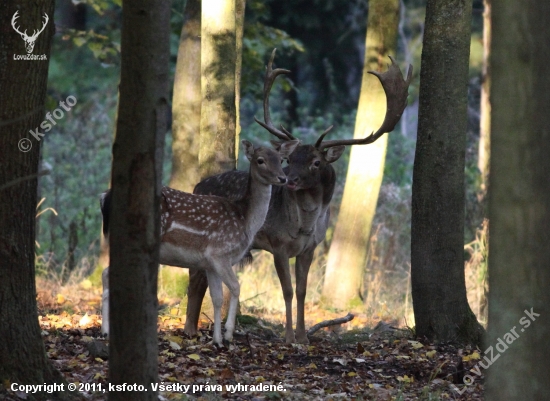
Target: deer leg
x: 230, y: 280
x: 303, y: 262
x: 198, y: 284
x: 105, y: 302
x: 283, y: 271
x: 215, y: 285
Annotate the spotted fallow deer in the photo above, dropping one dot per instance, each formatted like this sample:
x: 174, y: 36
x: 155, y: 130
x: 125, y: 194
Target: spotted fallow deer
x: 212, y: 233
x: 299, y: 213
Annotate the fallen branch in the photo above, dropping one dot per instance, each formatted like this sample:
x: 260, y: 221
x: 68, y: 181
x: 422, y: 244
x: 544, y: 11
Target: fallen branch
x: 327, y: 323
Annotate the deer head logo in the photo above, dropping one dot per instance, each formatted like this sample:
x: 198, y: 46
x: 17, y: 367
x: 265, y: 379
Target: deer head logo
x: 29, y: 40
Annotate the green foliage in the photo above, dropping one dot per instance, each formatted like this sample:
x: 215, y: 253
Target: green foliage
x: 99, y: 6
x: 173, y: 282
x: 399, y: 160
x: 259, y: 40
x: 103, y: 47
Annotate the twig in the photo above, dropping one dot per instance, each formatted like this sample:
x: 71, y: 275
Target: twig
x: 208, y: 317
x: 25, y: 178
x: 332, y: 322
x: 255, y: 296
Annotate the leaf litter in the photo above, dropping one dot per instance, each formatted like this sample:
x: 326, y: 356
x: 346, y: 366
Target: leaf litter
x: 360, y: 365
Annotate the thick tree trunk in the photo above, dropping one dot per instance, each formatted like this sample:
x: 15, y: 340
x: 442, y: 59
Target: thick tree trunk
x: 348, y: 251
x: 186, y: 103
x: 440, y: 305
x: 484, y: 152
x: 519, y: 251
x: 218, y: 49
x: 136, y: 185
x: 23, y: 85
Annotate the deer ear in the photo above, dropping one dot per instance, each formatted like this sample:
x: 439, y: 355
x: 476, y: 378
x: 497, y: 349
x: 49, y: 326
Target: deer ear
x: 248, y: 149
x: 287, y: 147
x: 333, y: 154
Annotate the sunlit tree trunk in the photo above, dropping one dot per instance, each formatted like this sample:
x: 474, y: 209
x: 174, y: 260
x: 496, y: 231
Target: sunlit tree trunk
x: 348, y: 251
x: 519, y: 204
x: 218, y: 56
x: 23, y: 85
x: 221, y: 59
x: 186, y: 102
x: 136, y: 184
x: 485, y: 122
x: 441, y: 308
x: 239, y: 30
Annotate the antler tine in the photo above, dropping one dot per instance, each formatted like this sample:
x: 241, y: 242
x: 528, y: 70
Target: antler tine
x: 270, y: 77
x: 396, y: 90
x: 318, y: 143
x: 13, y: 22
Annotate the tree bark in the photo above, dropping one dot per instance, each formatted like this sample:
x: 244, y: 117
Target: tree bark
x: 240, y: 6
x: 136, y: 186
x: 348, y: 251
x: 218, y: 49
x: 519, y: 203
x: 186, y: 102
x: 440, y: 305
x: 484, y: 152
x: 22, y: 96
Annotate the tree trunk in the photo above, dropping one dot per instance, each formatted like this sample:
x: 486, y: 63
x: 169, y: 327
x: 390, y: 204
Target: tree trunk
x: 348, y: 251
x: 22, y: 96
x: 136, y: 186
x: 440, y: 305
x: 186, y: 103
x: 484, y: 152
x: 240, y: 6
x: 218, y: 48
x: 519, y: 257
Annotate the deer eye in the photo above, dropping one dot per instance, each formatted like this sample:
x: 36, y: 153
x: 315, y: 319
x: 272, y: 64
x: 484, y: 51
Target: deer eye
x: 317, y: 163
x: 260, y: 161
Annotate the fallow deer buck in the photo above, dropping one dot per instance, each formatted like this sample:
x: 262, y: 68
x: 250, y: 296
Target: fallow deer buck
x: 212, y: 233
x: 298, y: 214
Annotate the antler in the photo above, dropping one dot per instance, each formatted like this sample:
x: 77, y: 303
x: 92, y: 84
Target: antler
x: 396, y: 89
x: 46, y: 19
x: 270, y: 77
x: 15, y: 16
x: 24, y: 34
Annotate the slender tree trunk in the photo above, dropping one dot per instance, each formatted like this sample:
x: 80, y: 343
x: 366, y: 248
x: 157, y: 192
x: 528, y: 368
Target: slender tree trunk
x: 440, y: 305
x: 240, y: 6
x: 485, y: 121
x: 348, y: 251
x: 23, y: 85
x: 218, y: 48
x: 186, y: 103
x: 519, y: 257
x: 136, y: 185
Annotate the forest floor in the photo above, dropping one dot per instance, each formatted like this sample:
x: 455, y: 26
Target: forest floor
x: 340, y: 363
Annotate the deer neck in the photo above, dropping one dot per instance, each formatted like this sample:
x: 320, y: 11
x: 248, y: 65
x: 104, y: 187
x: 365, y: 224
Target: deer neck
x: 255, y: 205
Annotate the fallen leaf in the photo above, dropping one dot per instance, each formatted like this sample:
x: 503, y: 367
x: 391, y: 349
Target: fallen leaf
x: 416, y: 344
x: 431, y: 354
x: 195, y: 357
x: 176, y: 346
x: 473, y: 356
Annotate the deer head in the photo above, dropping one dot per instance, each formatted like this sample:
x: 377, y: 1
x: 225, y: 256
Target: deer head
x: 308, y: 163
x: 29, y: 40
